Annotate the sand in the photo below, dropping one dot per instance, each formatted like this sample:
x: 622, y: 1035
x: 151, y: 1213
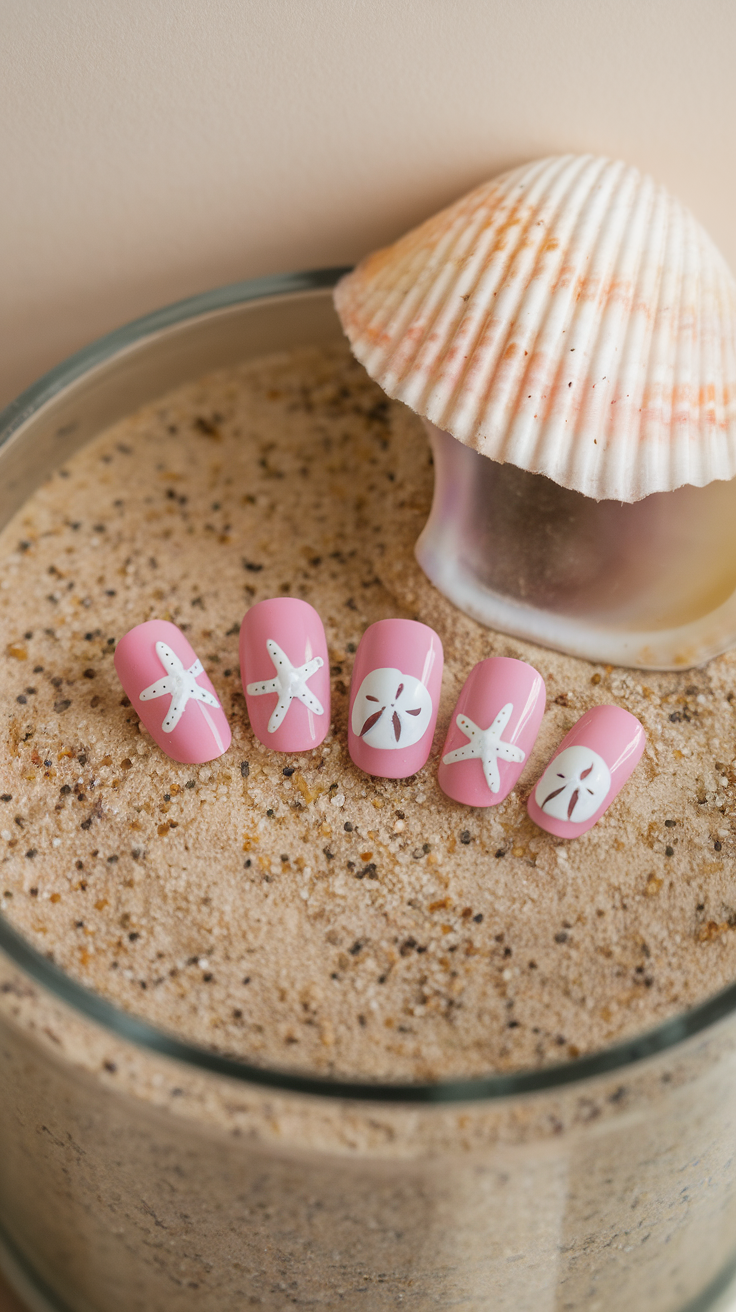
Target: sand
x: 291, y: 910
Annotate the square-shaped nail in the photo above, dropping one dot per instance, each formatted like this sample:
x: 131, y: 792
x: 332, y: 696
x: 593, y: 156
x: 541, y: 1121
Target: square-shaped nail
x: 168, y: 688
x: 589, y: 768
x: 492, y: 730
x: 285, y: 670
x: 394, y: 698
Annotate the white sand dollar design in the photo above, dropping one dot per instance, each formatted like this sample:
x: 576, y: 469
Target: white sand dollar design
x: 391, y: 710
x: 574, y: 785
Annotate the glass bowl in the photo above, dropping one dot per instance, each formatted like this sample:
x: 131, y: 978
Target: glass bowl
x: 141, y: 1174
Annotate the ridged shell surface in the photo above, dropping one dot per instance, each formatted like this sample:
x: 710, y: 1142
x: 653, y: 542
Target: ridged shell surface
x: 570, y: 317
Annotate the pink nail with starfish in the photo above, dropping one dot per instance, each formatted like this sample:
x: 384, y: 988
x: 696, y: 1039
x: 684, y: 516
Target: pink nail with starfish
x: 394, y: 698
x: 168, y: 688
x: 492, y: 731
x: 589, y: 768
x: 285, y: 669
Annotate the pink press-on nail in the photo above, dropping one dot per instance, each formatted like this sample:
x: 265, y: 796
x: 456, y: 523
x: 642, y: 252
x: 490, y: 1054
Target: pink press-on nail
x: 167, y: 686
x: 493, y: 728
x: 394, y: 698
x: 589, y: 768
x: 285, y: 670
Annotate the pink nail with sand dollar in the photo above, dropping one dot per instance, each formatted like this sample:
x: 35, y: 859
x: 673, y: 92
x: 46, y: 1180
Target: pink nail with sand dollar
x: 589, y: 768
x: 168, y: 688
x: 492, y: 731
x: 394, y: 698
x: 285, y: 670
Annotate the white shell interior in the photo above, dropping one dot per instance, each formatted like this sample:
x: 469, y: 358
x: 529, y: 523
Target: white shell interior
x: 650, y: 584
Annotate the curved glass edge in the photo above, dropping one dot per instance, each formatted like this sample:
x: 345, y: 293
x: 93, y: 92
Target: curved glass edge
x: 139, y: 1032
x: 220, y: 298
x: 25, y: 1281
x: 479, y: 1088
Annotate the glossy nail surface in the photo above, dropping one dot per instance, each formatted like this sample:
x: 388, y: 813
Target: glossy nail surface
x: 167, y: 686
x: 394, y: 698
x: 285, y: 670
x: 492, y: 730
x: 589, y: 768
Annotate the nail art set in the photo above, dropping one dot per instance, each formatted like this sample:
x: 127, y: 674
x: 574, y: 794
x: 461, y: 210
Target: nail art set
x: 589, y: 768
x: 283, y: 654
x: 394, y: 698
x: 171, y: 692
x: 392, y: 713
x: 492, y: 730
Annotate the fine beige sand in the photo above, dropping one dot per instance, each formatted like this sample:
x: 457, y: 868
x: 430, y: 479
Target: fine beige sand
x: 292, y: 910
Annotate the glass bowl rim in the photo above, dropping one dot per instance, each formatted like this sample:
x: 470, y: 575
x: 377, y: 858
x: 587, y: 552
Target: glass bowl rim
x: 139, y: 1032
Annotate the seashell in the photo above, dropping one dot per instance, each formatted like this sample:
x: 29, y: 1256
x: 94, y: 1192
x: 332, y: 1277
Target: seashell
x: 570, y: 317
x: 568, y: 334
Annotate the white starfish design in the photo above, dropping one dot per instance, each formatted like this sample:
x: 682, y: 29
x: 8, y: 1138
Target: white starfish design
x: 290, y: 682
x: 486, y: 745
x: 180, y: 684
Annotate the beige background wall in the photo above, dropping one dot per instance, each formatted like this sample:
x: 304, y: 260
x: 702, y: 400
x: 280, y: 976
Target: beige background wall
x: 150, y: 149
